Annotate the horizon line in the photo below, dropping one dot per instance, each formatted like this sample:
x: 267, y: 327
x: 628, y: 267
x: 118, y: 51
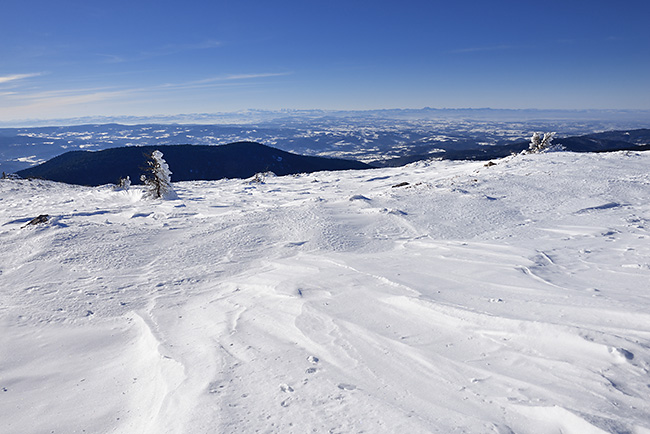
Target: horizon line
x: 91, y: 119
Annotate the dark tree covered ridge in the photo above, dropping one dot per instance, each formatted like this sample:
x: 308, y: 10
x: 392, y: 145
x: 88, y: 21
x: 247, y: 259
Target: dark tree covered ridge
x: 610, y: 141
x: 186, y: 162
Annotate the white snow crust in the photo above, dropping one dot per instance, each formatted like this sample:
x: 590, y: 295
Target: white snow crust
x: 513, y: 298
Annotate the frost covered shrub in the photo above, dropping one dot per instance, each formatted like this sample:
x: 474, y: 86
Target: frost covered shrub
x: 539, y: 143
x: 124, y: 184
x: 10, y: 176
x: 544, y: 143
x: 158, y: 177
x: 260, y: 178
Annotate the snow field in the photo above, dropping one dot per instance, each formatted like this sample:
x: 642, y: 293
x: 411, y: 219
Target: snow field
x: 510, y: 298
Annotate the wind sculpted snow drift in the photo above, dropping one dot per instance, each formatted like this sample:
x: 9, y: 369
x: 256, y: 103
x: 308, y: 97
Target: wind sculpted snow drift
x: 437, y: 297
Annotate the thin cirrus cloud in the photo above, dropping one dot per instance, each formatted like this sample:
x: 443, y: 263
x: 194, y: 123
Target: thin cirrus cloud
x: 65, y: 97
x: 165, y: 50
x: 51, y: 103
x: 234, y: 77
x: 24, y: 103
x: 66, y: 93
x: 112, y: 58
x: 71, y: 95
x: 15, y: 77
x: 180, y: 48
x: 230, y: 80
x: 482, y: 49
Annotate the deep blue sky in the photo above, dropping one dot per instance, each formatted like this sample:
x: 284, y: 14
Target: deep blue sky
x: 73, y: 58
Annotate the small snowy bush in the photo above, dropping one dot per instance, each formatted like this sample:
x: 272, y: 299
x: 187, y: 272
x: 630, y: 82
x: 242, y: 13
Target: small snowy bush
x: 260, y: 178
x: 158, y: 177
x: 10, y: 176
x: 124, y: 184
x: 544, y: 143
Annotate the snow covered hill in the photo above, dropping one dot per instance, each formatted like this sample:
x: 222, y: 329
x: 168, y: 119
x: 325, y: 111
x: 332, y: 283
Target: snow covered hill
x: 436, y: 297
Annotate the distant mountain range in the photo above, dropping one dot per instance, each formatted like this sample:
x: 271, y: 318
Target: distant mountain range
x: 245, y: 159
x: 255, y: 117
x: 187, y: 163
x: 610, y: 141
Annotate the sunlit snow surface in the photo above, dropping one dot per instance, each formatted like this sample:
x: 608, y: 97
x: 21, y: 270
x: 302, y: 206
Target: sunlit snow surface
x: 511, y: 298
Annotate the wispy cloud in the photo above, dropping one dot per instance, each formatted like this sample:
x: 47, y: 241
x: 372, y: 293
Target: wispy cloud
x: 229, y: 80
x: 14, y: 77
x: 165, y: 50
x: 111, y: 58
x: 64, y: 93
x: 81, y: 98
x: 73, y: 94
x: 204, y: 45
x: 237, y: 77
x: 482, y: 49
x: 48, y: 101
x: 170, y: 49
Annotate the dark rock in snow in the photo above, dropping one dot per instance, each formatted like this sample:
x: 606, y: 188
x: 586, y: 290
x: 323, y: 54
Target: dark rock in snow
x: 43, y: 218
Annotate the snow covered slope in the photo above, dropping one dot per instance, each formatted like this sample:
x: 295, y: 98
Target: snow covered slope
x: 509, y: 298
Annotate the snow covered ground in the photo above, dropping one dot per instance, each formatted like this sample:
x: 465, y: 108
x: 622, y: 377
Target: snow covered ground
x: 513, y: 298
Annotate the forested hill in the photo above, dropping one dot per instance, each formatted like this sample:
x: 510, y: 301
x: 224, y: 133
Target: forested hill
x: 187, y: 163
x: 609, y: 141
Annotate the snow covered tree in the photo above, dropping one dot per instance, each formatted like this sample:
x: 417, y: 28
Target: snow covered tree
x: 539, y: 143
x: 158, y: 177
x: 124, y: 184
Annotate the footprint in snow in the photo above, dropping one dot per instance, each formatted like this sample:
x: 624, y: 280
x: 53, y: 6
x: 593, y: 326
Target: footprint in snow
x: 397, y: 212
x: 286, y: 388
x: 141, y: 214
x: 215, y: 387
x: 313, y: 359
x: 346, y: 386
x: 296, y: 244
x: 621, y: 354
